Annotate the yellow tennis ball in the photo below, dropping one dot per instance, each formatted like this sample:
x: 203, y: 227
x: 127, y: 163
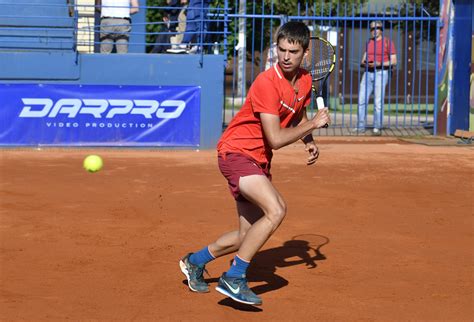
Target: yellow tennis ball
x: 93, y: 163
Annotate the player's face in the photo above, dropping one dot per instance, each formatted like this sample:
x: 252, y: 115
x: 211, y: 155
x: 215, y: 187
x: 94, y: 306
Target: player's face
x: 290, y: 56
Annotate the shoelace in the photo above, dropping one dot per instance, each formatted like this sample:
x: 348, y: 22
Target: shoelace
x: 198, y: 272
x: 242, y: 283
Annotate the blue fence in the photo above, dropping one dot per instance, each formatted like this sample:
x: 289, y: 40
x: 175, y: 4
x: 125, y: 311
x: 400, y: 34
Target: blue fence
x: 243, y: 32
x: 409, y: 104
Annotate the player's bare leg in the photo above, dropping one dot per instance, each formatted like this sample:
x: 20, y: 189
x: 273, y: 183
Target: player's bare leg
x: 260, y: 191
x: 231, y: 241
x: 265, y: 198
x: 227, y: 243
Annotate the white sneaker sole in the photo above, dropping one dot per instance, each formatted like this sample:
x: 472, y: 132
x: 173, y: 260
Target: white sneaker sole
x: 176, y: 51
x: 182, y: 266
x: 224, y: 292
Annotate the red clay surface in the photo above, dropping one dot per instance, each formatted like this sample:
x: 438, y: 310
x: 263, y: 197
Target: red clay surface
x: 394, y: 222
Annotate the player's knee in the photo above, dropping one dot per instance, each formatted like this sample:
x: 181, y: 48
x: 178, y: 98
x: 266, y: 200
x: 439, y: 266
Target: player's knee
x: 276, y: 215
x: 241, y: 238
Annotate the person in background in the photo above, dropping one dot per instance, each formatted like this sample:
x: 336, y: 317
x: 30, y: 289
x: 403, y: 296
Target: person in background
x: 196, y: 25
x: 115, y: 24
x: 272, y: 55
x: 173, y: 12
x: 168, y: 28
x: 181, y: 27
x: 175, y: 24
x: 378, y: 60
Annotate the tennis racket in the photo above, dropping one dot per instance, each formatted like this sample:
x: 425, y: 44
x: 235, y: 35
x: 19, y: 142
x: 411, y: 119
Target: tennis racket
x: 319, y: 62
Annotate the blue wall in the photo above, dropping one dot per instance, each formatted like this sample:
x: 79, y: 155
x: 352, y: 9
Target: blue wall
x: 461, y: 60
x: 128, y: 69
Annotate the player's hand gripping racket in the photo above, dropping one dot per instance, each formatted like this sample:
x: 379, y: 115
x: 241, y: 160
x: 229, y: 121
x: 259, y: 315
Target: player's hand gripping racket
x: 319, y: 62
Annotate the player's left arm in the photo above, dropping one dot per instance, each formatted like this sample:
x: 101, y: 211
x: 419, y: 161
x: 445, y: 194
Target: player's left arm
x: 308, y: 140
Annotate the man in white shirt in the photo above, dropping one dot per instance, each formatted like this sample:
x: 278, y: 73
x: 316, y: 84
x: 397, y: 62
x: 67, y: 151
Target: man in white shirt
x: 115, y: 24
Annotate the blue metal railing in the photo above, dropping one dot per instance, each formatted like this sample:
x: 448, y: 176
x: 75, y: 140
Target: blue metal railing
x: 25, y: 23
x: 410, y: 100
x: 245, y: 35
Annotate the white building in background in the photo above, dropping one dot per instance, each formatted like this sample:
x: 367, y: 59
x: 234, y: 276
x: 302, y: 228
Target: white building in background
x: 85, y: 34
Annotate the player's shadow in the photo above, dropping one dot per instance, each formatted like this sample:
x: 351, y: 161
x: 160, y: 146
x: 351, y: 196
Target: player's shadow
x: 265, y: 263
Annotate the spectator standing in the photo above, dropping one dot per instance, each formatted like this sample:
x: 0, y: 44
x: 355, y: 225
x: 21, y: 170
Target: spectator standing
x: 115, y: 24
x: 196, y: 24
x: 181, y: 25
x: 378, y: 60
x: 172, y: 19
x: 163, y: 39
x: 272, y: 55
x: 175, y: 7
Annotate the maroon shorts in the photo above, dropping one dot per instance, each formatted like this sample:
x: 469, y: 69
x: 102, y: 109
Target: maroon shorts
x: 236, y: 165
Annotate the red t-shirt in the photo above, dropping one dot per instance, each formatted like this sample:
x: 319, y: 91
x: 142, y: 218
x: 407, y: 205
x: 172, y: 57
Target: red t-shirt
x: 376, y: 50
x: 270, y: 93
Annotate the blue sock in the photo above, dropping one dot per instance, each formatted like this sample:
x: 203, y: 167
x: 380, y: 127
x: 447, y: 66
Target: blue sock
x: 238, y: 267
x: 201, y: 257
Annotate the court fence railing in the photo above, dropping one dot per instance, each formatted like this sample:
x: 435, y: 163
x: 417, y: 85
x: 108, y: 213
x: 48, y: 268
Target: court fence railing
x: 244, y: 33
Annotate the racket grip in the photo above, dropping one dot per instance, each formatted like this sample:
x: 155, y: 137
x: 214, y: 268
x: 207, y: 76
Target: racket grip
x: 320, y: 105
x: 320, y: 102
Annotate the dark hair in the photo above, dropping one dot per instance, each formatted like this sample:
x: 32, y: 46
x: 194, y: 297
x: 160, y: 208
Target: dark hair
x: 294, y: 32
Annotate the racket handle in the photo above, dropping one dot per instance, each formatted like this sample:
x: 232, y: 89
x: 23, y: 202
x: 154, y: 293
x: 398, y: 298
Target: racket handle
x: 320, y: 102
x: 320, y: 105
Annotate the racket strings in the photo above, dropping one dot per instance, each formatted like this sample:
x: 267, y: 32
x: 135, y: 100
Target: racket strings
x: 321, y: 64
x: 318, y: 73
x: 320, y: 59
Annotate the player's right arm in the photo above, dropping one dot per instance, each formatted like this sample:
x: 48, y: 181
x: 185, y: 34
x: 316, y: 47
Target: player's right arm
x: 278, y: 137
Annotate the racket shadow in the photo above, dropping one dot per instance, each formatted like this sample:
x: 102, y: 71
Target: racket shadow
x: 292, y: 253
x: 300, y: 250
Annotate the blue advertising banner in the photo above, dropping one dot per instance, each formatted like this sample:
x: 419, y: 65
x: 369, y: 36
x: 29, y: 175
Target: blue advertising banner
x: 99, y: 115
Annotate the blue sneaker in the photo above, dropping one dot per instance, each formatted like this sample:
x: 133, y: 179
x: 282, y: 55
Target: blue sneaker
x: 194, y: 274
x: 238, y: 290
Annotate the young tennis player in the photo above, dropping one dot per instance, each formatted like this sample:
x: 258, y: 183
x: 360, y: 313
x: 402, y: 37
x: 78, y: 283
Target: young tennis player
x: 273, y: 116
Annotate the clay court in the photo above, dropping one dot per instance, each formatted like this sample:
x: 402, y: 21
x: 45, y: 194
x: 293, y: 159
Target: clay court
x: 374, y: 232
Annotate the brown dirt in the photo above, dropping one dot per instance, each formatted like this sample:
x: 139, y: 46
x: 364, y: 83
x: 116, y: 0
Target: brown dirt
x: 397, y: 217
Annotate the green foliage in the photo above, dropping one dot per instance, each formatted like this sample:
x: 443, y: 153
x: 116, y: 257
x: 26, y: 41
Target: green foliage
x: 430, y: 5
x: 419, y: 8
x: 154, y: 15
